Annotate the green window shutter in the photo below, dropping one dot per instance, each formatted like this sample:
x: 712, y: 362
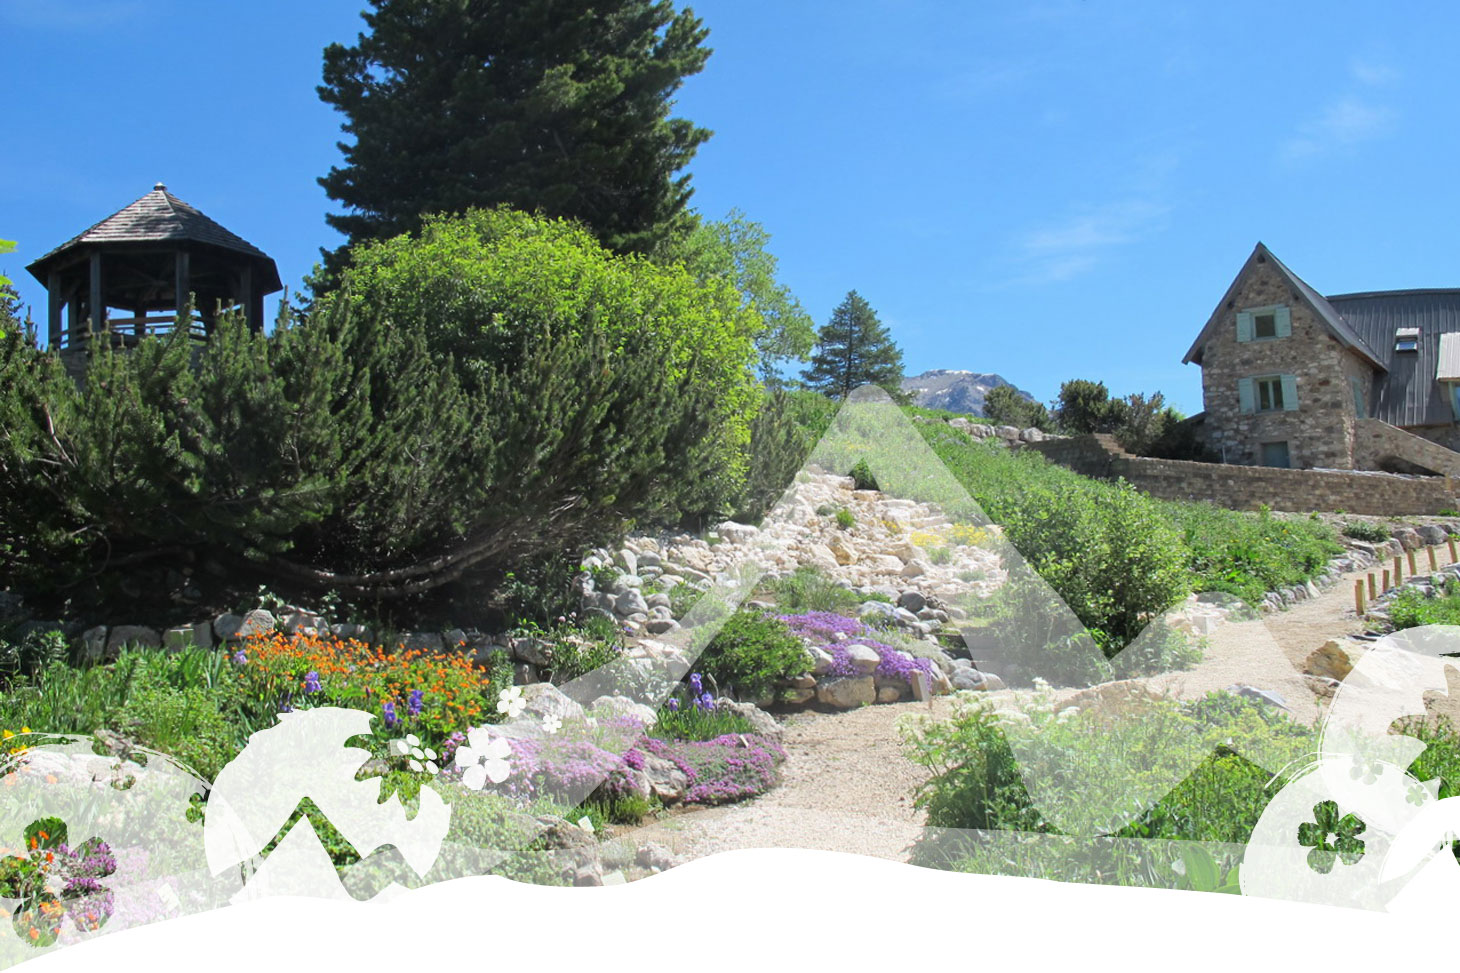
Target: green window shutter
x: 1246, y: 399
x: 1284, y: 322
x: 1244, y: 325
x: 1290, y: 393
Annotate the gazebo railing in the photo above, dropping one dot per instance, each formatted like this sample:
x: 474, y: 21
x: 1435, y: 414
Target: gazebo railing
x: 126, y: 332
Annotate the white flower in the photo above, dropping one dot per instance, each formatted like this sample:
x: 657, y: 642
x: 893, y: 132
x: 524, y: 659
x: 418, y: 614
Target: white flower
x: 586, y: 824
x: 552, y: 724
x: 510, y: 701
x: 420, y: 758
x: 484, y: 758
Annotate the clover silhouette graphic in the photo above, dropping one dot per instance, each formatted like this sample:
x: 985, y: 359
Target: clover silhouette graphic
x: 1326, y: 823
x: 55, y: 882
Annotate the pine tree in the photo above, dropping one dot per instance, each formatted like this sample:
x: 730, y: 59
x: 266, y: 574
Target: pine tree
x: 554, y: 106
x: 854, y: 349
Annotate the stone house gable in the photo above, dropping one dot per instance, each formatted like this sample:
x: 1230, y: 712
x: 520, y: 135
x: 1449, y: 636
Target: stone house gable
x: 1279, y: 387
x: 1367, y: 381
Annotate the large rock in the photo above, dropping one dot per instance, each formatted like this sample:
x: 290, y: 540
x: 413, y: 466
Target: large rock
x: 231, y: 628
x: 631, y: 602
x: 1408, y: 538
x: 1010, y: 433
x: 93, y: 643
x: 1433, y: 534
x: 913, y: 601
x: 666, y: 780
x: 736, y: 533
x: 969, y: 678
x: 420, y: 642
x: 136, y: 636
x: 761, y: 722
x: 847, y: 692
x: 611, y: 706
x: 883, y: 564
x: 1332, y: 660
x: 544, y: 700
x: 1031, y: 435
x: 863, y: 658
x: 531, y: 650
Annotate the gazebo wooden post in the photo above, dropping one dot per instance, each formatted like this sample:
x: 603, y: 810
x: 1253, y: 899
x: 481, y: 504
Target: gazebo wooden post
x: 184, y: 285
x: 53, y: 311
x: 98, y: 303
x: 73, y: 315
x: 253, y: 300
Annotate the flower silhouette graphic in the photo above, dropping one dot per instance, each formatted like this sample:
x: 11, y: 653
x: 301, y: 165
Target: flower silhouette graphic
x: 1326, y: 825
x: 55, y: 882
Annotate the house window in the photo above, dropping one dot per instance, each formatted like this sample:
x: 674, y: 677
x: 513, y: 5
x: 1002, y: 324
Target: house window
x: 1269, y: 394
x: 1264, y: 323
x: 1406, y: 339
x: 1276, y: 454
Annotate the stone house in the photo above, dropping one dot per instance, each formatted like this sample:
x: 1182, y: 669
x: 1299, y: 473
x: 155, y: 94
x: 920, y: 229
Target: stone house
x: 1366, y: 381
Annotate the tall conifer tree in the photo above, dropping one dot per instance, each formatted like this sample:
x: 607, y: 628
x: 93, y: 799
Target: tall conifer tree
x: 854, y: 349
x: 554, y: 106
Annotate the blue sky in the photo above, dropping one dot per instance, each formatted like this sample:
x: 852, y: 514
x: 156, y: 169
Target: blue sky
x: 1045, y: 190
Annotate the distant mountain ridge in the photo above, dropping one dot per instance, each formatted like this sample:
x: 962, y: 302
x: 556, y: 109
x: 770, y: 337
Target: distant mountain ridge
x: 956, y: 390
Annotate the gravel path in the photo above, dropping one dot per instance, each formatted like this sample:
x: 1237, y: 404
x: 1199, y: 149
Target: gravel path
x: 848, y: 787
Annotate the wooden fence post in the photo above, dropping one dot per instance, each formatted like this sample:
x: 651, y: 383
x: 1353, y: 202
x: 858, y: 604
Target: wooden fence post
x: 1398, y: 570
x: 1373, y: 592
x: 1412, y: 569
x: 1359, y: 597
x: 1434, y: 564
x: 1451, y: 541
x: 1386, y: 579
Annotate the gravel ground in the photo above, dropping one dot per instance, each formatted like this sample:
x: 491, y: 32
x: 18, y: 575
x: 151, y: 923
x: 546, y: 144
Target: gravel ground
x: 848, y: 787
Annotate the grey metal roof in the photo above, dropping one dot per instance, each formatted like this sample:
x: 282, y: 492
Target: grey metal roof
x: 1448, y: 370
x: 1330, y: 315
x: 157, y: 217
x: 1408, y: 395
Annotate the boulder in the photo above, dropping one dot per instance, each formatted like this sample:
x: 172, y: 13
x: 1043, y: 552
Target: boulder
x: 544, y: 700
x: 911, y: 601
x: 420, y: 642
x: 969, y: 678
x: 612, y: 706
x: 534, y: 651
x: 138, y: 636
x: 1007, y: 432
x: 1408, y: 538
x: 761, y: 722
x: 821, y: 660
x: 1433, y: 535
x: 304, y: 623
x: 889, y: 694
x: 666, y: 780
x: 737, y: 533
x: 631, y: 602
x: 1031, y: 435
x: 93, y: 643
x: 1331, y: 660
x: 863, y: 658
x: 628, y: 560
x: 847, y: 692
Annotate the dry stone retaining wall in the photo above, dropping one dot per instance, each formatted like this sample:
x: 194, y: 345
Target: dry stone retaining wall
x: 1245, y: 487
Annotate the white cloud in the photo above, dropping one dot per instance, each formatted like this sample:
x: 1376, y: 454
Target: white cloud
x: 70, y: 14
x: 1343, y: 124
x: 1065, y: 250
x: 1373, y: 73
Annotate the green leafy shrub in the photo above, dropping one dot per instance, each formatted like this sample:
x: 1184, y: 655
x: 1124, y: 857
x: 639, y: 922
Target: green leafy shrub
x: 807, y: 589
x: 1411, y: 608
x: 685, y: 720
x: 845, y: 519
x: 1361, y: 530
x: 751, y: 653
x: 786, y: 427
x: 862, y: 478
x: 975, y: 777
x: 188, y: 724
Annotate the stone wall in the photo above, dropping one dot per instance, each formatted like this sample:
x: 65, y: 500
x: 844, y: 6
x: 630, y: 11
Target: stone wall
x: 1319, y: 433
x: 1379, y: 445
x: 1245, y: 487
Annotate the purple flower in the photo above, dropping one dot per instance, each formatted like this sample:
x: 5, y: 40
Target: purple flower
x: 705, y: 701
x: 696, y: 684
x: 413, y: 704
x: 311, y: 682
x: 239, y: 657
x: 673, y: 705
x: 391, y: 720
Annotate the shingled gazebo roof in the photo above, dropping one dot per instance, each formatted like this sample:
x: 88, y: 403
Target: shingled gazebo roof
x: 158, y: 217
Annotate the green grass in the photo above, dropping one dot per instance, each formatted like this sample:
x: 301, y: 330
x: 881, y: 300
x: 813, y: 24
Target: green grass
x: 1410, y: 608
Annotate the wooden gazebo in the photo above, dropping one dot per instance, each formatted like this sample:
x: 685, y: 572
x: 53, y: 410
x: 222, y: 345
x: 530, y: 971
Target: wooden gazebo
x: 149, y: 258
